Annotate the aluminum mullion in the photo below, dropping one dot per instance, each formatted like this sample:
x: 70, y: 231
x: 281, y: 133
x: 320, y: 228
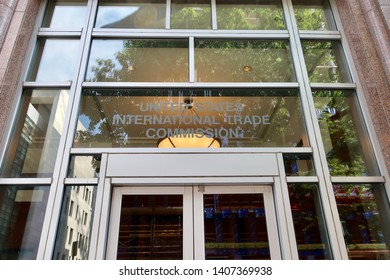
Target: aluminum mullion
x: 59, y: 34
x: 63, y: 157
x: 60, y: 85
x: 81, y: 181
x: 214, y: 15
x: 325, y: 187
x: 284, y: 214
x: 191, y: 59
x: 192, y: 180
x: 99, y: 223
x: 222, y: 34
x: 25, y: 181
x: 358, y: 180
x: 333, y: 85
x: 126, y: 85
x: 168, y: 12
x: 93, y: 151
x: 301, y: 179
x: 320, y: 35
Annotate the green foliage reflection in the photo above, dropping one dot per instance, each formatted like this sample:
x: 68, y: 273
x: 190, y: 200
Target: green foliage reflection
x: 339, y: 119
x: 249, y: 17
x: 225, y: 61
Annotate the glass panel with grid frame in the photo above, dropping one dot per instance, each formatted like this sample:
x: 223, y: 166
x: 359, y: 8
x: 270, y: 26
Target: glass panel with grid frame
x: 314, y: 15
x: 309, y: 223
x: 190, y: 14
x: 136, y: 14
x: 65, y: 14
x: 364, y: 213
x: 344, y: 135
x: 22, y: 212
x: 237, y: 117
x: 250, y: 15
x: 235, y: 227
x: 75, y: 224
x: 37, y: 134
x: 151, y: 228
x: 243, y: 61
x: 325, y: 62
x: 138, y: 60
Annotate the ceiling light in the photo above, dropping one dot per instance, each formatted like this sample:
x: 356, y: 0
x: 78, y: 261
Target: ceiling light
x: 247, y: 68
x: 194, y: 140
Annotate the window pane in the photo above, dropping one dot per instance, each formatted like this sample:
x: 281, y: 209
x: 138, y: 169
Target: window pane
x: 22, y: 211
x: 136, y: 60
x: 36, y: 136
x: 325, y: 62
x: 346, y: 141
x: 243, y: 61
x: 84, y: 166
x: 309, y: 223
x: 54, y: 60
x: 151, y: 228
x: 65, y: 14
x: 75, y: 225
x: 299, y: 165
x: 237, y: 117
x: 131, y: 14
x: 189, y: 14
x: 364, y: 213
x: 314, y: 15
x: 250, y: 15
x: 235, y: 227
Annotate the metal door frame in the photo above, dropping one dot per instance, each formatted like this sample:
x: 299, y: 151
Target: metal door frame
x: 193, y: 237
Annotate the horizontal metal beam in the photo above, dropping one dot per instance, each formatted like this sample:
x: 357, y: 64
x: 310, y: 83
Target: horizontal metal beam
x: 358, y: 180
x: 164, y: 33
x: 126, y: 85
x: 94, y: 151
x: 194, y: 180
x: 26, y: 181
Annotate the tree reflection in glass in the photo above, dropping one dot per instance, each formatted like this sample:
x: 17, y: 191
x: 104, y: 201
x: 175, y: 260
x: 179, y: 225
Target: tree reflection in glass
x: 309, y: 223
x: 344, y: 135
x: 238, y: 117
x: 243, y: 61
x: 364, y: 213
x: 314, y: 15
x: 187, y: 14
x: 138, y: 60
x: 250, y: 15
x: 325, y: 62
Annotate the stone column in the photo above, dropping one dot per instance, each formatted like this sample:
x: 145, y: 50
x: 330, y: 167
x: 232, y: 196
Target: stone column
x: 367, y: 33
x: 17, y: 20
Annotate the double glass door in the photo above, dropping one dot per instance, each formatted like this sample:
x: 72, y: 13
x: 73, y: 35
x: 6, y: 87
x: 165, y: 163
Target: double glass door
x: 193, y: 222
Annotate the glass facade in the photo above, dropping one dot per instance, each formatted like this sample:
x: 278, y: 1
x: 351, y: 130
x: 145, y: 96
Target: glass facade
x: 75, y: 224
x: 238, y: 118
x: 22, y: 211
x: 37, y: 134
x: 270, y: 80
x: 235, y: 227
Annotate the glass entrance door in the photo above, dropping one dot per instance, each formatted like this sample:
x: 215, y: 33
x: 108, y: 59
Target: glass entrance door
x: 184, y: 222
x: 235, y: 222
